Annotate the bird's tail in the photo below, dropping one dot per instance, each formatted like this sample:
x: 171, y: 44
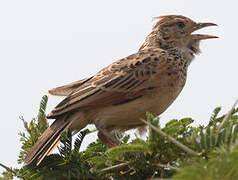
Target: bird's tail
x: 48, y: 140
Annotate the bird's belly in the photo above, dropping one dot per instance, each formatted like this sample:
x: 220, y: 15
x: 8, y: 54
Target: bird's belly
x: 129, y: 114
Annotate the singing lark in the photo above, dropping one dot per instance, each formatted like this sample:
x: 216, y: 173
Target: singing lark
x: 121, y: 93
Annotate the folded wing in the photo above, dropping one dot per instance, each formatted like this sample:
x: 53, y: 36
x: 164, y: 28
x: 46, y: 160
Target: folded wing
x: 128, y: 76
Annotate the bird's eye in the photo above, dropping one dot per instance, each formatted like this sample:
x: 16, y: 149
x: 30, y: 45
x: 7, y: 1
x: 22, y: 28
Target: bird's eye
x: 180, y: 24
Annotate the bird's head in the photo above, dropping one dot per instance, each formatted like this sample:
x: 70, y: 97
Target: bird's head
x: 175, y: 31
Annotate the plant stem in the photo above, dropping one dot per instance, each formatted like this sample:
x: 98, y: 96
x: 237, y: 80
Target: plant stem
x: 227, y: 116
x: 166, y: 166
x: 118, y: 166
x: 7, y: 168
x: 171, y: 139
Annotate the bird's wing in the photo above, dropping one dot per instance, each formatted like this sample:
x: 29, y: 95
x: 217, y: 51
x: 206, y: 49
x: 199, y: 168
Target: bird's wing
x: 119, y: 82
x: 68, y: 89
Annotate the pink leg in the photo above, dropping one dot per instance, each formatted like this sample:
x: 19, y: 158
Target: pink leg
x: 106, y: 137
x: 104, y: 140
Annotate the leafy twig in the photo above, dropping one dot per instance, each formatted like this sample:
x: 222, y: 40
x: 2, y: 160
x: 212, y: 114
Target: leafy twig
x: 118, y: 166
x: 7, y: 168
x: 185, y: 148
x: 227, y: 115
x: 166, y: 166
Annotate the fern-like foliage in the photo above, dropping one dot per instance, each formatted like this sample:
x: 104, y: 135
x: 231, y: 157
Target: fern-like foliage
x: 165, y: 153
x: 212, y: 136
x: 222, y: 165
x: 67, y: 164
x: 34, y: 129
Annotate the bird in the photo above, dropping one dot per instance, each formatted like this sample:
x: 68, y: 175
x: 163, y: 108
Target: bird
x: 120, y: 94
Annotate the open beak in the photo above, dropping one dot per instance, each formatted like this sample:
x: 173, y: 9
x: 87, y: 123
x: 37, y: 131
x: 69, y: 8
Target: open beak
x: 202, y: 36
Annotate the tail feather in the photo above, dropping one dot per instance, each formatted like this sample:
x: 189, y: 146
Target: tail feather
x: 47, y: 150
x: 50, y: 145
x: 48, y: 141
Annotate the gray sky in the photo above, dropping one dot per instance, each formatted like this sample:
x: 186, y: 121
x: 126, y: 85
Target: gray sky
x: 47, y: 43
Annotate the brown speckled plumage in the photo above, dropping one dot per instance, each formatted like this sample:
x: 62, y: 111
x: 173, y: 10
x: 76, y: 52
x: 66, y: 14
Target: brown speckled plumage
x: 118, y: 95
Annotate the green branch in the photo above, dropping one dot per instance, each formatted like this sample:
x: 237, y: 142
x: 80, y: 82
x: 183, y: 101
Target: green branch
x: 227, y: 115
x: 171, y: 139
x: 118, y: 166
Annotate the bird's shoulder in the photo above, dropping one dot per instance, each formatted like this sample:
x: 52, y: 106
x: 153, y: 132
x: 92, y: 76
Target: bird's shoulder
x: 139, y: 66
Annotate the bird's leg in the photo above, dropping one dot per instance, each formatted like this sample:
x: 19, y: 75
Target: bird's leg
x: 106, y: 137
x: 105, y: 140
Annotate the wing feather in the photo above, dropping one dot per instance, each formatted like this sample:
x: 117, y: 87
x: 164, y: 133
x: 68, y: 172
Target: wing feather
x: 130, y: 75
x: 69, y: 88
